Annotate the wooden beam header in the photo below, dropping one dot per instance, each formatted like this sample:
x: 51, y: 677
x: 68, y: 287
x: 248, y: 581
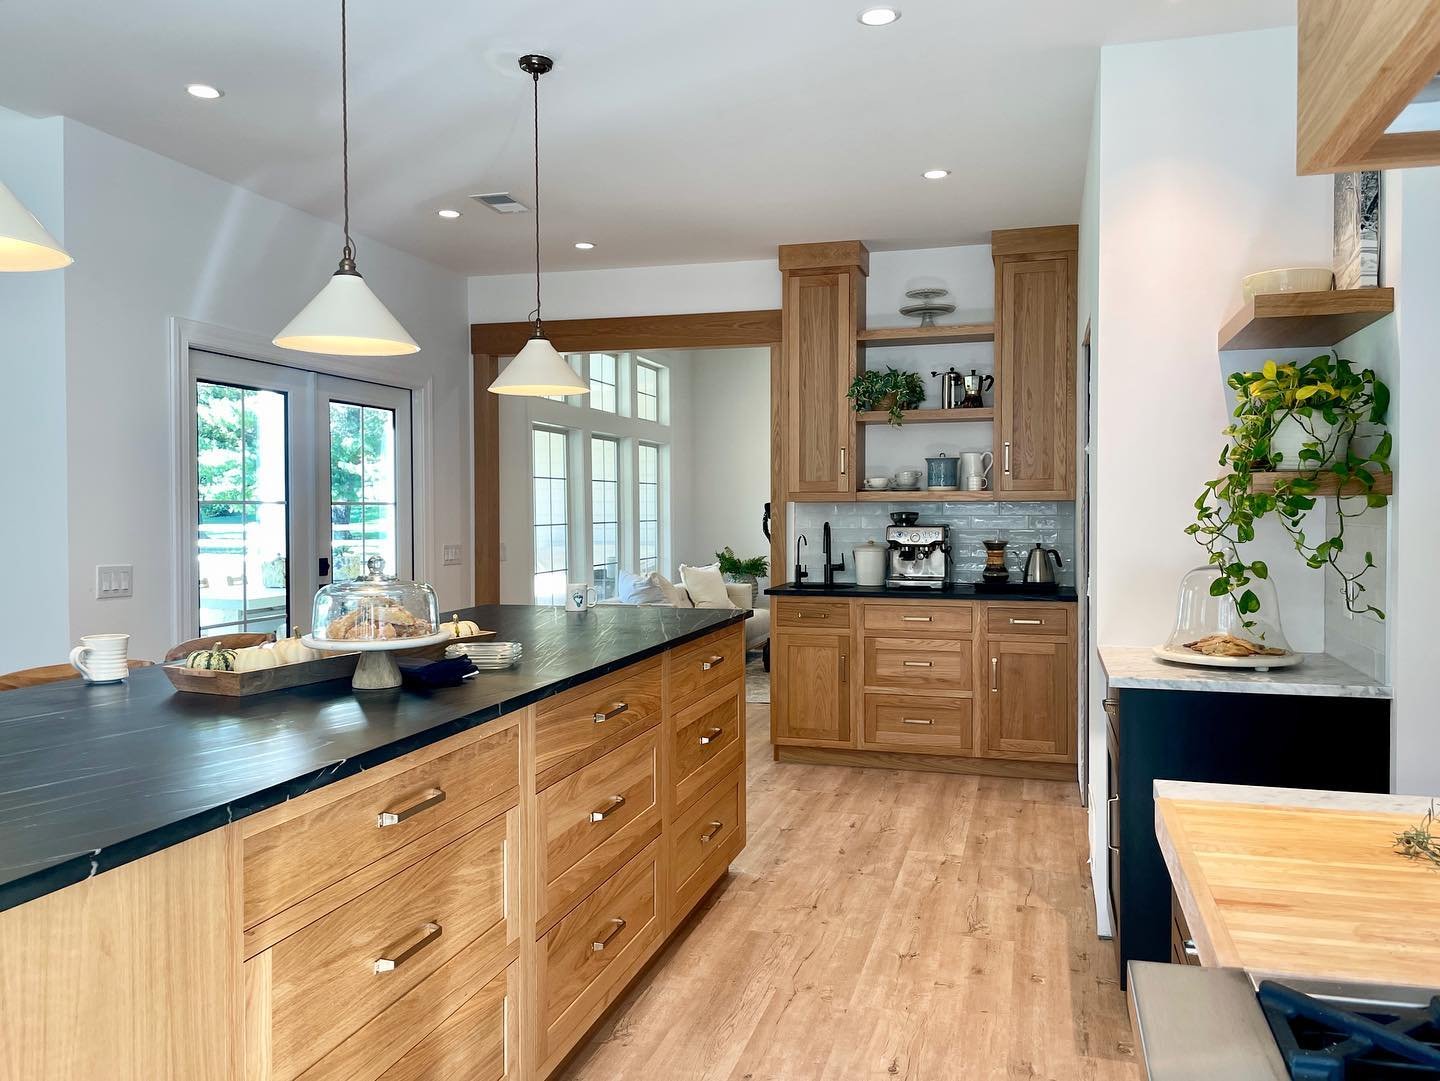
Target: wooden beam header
x: 1041, y: 241
x: 712, y: 330
x: 832, y: 255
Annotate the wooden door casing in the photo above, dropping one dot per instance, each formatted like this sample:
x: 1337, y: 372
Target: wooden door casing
x: 812, y: 690
x: 1029, y: 701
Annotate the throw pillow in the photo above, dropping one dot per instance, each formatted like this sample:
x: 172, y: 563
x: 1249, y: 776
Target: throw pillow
x: 641, y: 589
x: 706, y: 586
x: 675, y: 596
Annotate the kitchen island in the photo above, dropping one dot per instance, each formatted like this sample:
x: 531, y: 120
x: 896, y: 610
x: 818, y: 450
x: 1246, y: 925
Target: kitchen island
x: 341, y: 885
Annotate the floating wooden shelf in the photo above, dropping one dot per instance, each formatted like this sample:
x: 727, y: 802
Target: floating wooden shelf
x: 1328, y: 483
x: 951, y: 335
x: 892, y: 496
x: 1298, y: 320
x: 928, y: 416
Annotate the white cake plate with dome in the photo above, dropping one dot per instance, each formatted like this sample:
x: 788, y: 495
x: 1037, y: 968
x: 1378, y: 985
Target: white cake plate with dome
x: 1258, y: 663
x: 377, y: 670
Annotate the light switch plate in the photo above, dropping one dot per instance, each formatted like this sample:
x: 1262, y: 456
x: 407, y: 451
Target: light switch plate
x: 451, y: 555
x: 114, y: 580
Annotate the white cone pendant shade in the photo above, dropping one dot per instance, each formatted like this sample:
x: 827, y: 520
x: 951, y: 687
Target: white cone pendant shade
x: 538, y: 370
x: 24, y: 242
x: 346, y: 319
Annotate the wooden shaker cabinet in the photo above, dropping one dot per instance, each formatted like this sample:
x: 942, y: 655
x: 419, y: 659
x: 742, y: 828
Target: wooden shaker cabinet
x: 812, y: 690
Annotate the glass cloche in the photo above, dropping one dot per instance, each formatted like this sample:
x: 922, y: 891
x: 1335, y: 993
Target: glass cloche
x: 1209, y: 626
x: 374, y: 608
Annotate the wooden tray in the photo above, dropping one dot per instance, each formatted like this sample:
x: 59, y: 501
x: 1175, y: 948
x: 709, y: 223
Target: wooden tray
x: 244, y: 684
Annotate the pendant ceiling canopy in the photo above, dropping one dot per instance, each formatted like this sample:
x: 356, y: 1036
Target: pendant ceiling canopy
x: 346, y: 318
x: 538, y: 370
x: 24, y: 242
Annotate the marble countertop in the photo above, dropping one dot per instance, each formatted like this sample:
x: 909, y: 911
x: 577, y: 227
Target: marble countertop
x: 1321, y: 676
x: 93, y: 777
x: 953, y: 591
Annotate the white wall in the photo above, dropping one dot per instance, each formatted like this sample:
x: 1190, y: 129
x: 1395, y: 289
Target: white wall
x: 152, y: 240
x: 33, y: 541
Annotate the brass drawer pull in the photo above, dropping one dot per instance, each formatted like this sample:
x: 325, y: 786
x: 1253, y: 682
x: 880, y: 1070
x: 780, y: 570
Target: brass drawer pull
x: 613, y: 712
x: 709, y: 835
x: 1191, y: 950
x: 995, y: 675
x: 711, y: 735
x: 919, y: 664
x: 616, y: 802
x: 424, y: 803
x: 711, y: 662
x: 916, y: 619
x: 1007, y: 457
x: 1027, y: 622
x: 407, y: 948
x: 917, y: 720
x: 812, y: 615
x: 616, y: 926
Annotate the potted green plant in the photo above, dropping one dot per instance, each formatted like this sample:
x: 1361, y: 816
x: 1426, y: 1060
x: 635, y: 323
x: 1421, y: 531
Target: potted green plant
x: 891, y: 390
x: 743, y: 571
x: 1302, y: 419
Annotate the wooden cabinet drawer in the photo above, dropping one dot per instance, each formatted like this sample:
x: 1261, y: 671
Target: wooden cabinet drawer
x: 1049, y: 619
x: 942, y: 618
x: 705, y: 741
x: 474, y: 1042
x: 807, y: 615
x: 593, y: 950
x: 704, y: 840
x: 595, y: 819
x: 328, y: 981
x: 919, y: 664
x: 701, y: 667
x: 312, y: 849
x: 579, y: 726
x: 903, y: 722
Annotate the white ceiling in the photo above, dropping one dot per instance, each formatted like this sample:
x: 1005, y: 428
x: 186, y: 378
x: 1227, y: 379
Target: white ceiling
x: 672, y: 131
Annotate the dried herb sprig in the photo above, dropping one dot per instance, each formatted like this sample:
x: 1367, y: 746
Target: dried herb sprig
x: 1420, y: 842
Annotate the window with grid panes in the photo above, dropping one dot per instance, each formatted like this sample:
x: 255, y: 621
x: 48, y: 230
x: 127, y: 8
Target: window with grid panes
x: 648, y: 483
x: 604, y: 382
x: 605, y: 513
x: 552, y: 514
x: 647, y: 391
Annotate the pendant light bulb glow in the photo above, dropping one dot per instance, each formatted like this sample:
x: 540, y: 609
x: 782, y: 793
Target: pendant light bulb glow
x: 538, y: 370
x: 345, y: 318
x: 25, y: 244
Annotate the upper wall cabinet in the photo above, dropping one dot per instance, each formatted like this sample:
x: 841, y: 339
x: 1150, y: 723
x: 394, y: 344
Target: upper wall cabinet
x: 824, y: 306
x: 1368, y: 96
x: 1035, y: 330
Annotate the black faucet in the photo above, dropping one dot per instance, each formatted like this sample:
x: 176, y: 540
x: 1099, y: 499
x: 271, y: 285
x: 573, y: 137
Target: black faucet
x: 800, y: 572
x: 830, y: 568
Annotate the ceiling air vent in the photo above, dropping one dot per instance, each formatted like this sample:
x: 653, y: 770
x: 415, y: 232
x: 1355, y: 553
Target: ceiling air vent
x: 502, y: 202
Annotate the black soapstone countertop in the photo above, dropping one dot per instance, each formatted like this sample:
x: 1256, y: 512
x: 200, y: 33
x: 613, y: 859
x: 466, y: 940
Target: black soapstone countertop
x: 953, y: 591
x: 92, y: 777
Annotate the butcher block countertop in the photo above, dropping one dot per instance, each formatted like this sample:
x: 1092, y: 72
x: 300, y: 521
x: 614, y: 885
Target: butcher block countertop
x: 1288, y: 882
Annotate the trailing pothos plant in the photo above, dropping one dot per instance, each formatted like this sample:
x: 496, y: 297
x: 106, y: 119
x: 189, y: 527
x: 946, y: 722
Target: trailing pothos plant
x: 891, y: 390
x: 1330, y: 402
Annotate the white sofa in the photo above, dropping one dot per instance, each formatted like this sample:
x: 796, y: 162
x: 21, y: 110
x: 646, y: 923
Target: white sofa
x: 757, y: 625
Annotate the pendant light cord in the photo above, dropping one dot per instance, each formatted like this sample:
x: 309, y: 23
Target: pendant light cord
x: 347, y: 255
x: 539, y: 333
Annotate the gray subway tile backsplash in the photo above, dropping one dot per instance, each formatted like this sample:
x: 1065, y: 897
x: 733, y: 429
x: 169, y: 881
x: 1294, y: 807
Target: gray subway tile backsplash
x: 1023, y: 525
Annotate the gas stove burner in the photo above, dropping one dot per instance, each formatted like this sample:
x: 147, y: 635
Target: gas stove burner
x: 1321, y: 1041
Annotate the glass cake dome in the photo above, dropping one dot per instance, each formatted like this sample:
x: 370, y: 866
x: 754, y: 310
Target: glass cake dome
x: 1212, y: 626
x: 374, y: 608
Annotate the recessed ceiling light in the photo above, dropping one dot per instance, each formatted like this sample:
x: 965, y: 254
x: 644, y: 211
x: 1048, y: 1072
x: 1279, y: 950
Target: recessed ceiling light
x: 448, y: 213
x: 202, y: 90
x: 584, y: 245
x: 879, y: 16
x: 935, y: 174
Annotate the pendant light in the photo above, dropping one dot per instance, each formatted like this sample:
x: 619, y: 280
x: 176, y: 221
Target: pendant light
x: 538, y: 370
x: 346, y: 318
x: 24, y: 242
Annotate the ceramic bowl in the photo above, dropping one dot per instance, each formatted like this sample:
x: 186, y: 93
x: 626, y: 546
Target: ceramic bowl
x: 876, y: 484
x: 908, y: 478
x: 1287, y: 280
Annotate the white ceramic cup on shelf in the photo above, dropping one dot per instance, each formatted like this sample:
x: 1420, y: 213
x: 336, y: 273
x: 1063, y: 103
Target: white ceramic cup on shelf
x: 976, y: 483
x: 579, y: 597
x: 102, y: 658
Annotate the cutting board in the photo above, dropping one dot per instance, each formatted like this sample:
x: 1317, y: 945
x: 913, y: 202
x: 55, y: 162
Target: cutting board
x: 1303, y: 891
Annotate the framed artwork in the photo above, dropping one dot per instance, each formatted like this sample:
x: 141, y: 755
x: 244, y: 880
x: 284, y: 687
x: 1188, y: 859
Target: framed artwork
x: 1357, y: 230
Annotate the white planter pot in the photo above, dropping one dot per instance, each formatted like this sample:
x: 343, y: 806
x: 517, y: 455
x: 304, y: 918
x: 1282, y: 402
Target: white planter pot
x: 1290, y: 438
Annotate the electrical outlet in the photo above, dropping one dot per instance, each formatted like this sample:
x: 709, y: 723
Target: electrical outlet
x: 451, y: 555
x: 113, y: 581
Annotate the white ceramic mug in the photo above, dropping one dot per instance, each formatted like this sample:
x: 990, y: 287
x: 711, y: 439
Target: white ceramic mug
x: 102, y: 658
x: 974, y: 483
x: 579, y: 597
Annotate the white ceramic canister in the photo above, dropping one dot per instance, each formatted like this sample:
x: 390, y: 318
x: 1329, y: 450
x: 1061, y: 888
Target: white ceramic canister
x: 870, y: 560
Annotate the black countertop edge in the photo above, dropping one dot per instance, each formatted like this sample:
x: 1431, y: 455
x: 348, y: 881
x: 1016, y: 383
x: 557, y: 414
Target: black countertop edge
x: 953, y: 591
x: 68, y: 870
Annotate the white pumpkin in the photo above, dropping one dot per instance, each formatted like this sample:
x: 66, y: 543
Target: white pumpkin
x: 462, y: 628
x: 293, y: 651
x: 254, y: 659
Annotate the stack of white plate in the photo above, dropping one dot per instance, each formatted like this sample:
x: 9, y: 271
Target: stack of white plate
x: 487, y: 656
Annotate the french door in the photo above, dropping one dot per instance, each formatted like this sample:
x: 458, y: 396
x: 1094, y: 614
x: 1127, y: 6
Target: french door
x: 299, y: 479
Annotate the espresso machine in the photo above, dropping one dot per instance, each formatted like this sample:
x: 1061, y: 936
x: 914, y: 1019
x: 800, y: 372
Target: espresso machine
x: 919, y: 555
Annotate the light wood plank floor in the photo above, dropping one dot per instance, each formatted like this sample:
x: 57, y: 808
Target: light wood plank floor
x: 883, y: 925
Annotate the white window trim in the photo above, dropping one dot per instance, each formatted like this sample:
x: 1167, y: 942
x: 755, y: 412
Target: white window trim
x: 187, y: 334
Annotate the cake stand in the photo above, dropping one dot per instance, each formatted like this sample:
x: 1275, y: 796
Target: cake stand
x: 377, y: 670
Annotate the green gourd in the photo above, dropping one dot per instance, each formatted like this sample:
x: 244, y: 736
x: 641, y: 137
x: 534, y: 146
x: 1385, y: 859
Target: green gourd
x: 215, y: 659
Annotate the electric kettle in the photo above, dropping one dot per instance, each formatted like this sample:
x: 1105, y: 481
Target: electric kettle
x: 1037, y: 565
